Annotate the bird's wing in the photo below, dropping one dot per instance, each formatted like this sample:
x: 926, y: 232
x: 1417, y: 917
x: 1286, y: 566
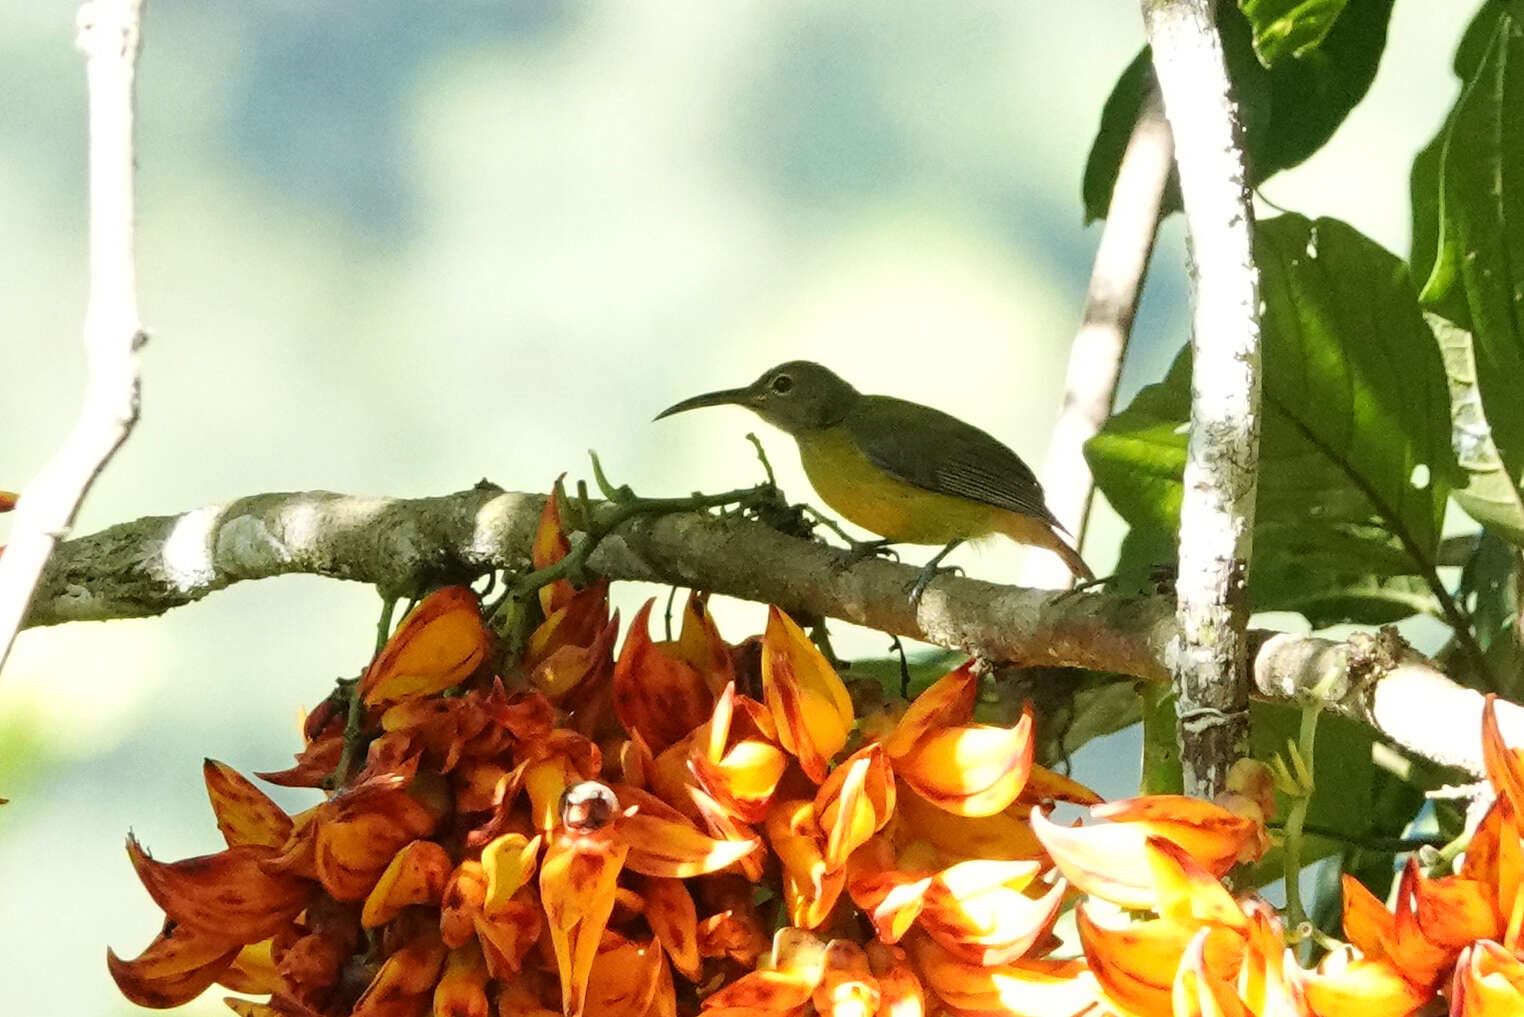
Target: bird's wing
x: 938, y: 452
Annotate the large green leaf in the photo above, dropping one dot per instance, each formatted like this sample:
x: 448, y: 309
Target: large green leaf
x: 1288, y: 111
x: 1289, y: 28
x: 1490, y: 579
x: 1468, y: 240
x: 1355, y: 462
x: 1491, y: 496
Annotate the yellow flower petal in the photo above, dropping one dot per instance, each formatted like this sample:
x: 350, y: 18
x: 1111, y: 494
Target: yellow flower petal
x: 808, y: 701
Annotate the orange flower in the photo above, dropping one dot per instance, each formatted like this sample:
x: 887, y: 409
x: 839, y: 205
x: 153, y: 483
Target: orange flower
x: 810, y: 885
x: 439, y: 644
x: 657, y: 694
x: 968, y: 769
x: 1110, y: 861
x: 1489, y: 982
x: 854, y: 803
x: 578, y: 878
x: 736, y: 764
x: 808, y: 702
x: 1050, y: 988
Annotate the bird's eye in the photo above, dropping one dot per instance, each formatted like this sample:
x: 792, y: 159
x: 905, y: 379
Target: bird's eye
x: 782, y: 384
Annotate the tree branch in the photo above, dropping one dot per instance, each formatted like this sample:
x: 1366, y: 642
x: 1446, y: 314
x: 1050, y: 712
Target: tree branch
x: 149, y: 566
x: 1217, y: 511
x: 1111, y: 303
x: 109, y: 37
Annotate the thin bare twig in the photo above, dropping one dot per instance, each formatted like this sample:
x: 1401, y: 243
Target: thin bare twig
x: 109, y: 36
x: 1111, y: 303
x: 1217, y: 511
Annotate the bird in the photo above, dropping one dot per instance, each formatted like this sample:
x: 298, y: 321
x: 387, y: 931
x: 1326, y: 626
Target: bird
x: 907, y: 472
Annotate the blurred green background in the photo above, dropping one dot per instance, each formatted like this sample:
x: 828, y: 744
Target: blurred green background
x: 392, y: 249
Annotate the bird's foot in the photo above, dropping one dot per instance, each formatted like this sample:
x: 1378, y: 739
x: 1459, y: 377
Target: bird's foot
x: 862, y: 549
x: 930, y: 571
x: 1078, y: 588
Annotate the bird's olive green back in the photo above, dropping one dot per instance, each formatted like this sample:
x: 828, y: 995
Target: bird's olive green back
x: 938, y: 452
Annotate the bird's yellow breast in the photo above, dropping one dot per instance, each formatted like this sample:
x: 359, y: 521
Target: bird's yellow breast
x: 853, y: 486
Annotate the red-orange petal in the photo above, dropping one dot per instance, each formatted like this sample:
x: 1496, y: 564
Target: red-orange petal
x: 1342, y: 987
x: 405, y: 979
x: 948, y: 703
x: 1004, y: 836
x: 624, y: 978
x: 1367, y: 922
x: 1185, y: 892
x: 891, y: 899
x: 1505, y: 766
x: 847, y: 987
x: 663, y: 842
x: 673, y: 917
x: 548, y: 547
x: 657, y: 693
x: 1135, y: 964
x: 227, y: 894
x: 977, y: 911
x: 900, y: 991
x: 1454, y: 911
x: 810, y: 889
x: 577, y: 887
x: 462, y: 987
x: 1489, y: 982
x: 977, y: 770
x: 797, y: 964
x: 360, y: 832
x: 176, y: 967
x: 1216, y: 838
x: 245, y: 814
x: 807, y: 699
x: 855, y: 802
x: 699, y: 643
x: 1199, y: 992
x: 415, y: 875
x: 1049, y: 988
x: 440, y: 643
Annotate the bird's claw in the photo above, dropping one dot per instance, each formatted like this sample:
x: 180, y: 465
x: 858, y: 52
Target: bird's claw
x: 862, y: 549
x: 924, y: 578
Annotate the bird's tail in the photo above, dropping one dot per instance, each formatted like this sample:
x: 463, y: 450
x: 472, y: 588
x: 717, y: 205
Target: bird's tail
x: 1036, y: 532
x: 1071, y: 558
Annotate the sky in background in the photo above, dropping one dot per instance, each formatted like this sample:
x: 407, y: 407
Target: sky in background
x: 392, y: 249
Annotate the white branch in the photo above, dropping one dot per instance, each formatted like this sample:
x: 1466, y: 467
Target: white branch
x: 1217, y: 512
x: 109, y: 37
x: 1111, y: 302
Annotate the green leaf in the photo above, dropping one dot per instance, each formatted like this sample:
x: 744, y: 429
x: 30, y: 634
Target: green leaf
x: 1288, y: 111
x: 1354, y: 412
x: 1468, y: 237
x: 1425, y: 175
x: 1490, y: 578
x: 1490, y: 496
x: 1118, y: 115
x: 1289, y: 28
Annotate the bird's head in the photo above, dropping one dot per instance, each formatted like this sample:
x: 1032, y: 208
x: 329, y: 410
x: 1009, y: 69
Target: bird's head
x: 793, y: 397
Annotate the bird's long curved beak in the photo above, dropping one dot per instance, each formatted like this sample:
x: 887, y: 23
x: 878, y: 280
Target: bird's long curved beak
x: 725, y: 397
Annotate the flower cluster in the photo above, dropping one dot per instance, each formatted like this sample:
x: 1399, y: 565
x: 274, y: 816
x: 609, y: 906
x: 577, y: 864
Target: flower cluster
x: 694, y: 827
x: 1451, y: 943
x: 691, y: 824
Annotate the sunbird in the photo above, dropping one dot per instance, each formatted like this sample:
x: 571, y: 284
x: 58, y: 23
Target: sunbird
x: 907, y: 472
